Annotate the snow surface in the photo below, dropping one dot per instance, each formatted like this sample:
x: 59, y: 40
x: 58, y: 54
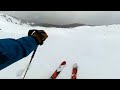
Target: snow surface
x: 96, y: 50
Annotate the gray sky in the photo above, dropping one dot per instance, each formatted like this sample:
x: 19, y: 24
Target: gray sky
x: 68, y: 17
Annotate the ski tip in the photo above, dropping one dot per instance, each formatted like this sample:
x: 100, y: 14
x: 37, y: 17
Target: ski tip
x: 75, y: 65
x: 63, y: 63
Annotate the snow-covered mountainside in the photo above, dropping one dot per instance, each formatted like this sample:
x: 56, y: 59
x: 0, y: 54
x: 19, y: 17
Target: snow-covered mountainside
x: 96, y: 50
x: 7, y: 18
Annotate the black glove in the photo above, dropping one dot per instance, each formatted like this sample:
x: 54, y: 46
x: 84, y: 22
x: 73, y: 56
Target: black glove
x: 39, y: 35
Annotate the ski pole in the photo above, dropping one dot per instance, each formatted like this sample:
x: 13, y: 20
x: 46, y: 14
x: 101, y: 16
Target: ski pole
x: 29, y: 63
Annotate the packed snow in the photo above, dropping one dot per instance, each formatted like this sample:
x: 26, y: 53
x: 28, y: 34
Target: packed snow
x: 96, y: 50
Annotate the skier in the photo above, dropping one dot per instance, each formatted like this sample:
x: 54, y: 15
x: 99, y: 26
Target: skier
x: 12, y: 50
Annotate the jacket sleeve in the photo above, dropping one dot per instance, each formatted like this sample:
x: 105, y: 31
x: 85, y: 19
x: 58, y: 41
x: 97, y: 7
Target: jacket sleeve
x: 12, y: 50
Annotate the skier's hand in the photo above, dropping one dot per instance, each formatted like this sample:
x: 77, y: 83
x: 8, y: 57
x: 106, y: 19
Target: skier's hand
x: 44, y: 35
x: 40, y: 35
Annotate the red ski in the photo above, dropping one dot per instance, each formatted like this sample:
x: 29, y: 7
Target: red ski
x: 58, y: 70
x: 74, y: 71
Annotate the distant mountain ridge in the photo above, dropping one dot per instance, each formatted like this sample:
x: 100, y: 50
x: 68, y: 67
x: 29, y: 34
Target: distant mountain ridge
x: 59, y: 26
x: 18, y: 21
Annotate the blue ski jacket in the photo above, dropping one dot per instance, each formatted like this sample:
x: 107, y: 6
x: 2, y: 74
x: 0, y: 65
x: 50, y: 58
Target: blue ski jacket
x: 12, y: 50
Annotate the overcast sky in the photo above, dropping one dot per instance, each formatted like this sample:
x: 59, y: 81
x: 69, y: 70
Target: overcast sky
x: 68, y: 17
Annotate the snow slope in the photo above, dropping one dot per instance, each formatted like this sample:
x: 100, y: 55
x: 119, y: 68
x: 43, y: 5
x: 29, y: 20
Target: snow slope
x: 95, y: 49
